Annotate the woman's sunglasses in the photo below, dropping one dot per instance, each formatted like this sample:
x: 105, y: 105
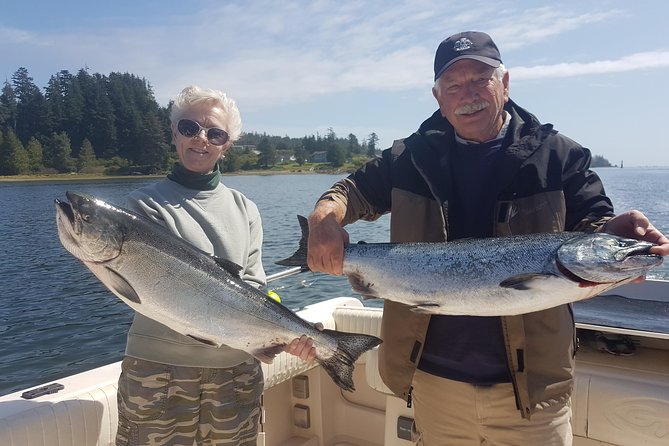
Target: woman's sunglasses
x: 191, y: 129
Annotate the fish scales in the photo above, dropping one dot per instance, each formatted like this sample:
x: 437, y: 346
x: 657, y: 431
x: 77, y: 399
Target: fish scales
x: 494, y: 276
x: 166, y: 279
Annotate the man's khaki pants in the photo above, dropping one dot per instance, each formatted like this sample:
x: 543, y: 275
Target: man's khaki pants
x: 454, y: 413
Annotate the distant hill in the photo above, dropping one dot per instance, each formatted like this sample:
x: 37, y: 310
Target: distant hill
x: 600, y: 161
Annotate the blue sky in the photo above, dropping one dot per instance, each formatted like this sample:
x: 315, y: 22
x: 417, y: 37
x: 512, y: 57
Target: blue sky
x: 597, y: 70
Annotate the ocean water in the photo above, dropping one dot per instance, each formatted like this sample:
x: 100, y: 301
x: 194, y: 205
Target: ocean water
x: 56, y: 319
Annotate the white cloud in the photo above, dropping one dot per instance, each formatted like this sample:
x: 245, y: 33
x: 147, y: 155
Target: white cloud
x: 267, y: 53
x: 13, y: 36
x: 522, y: 28
x: 633, y: 62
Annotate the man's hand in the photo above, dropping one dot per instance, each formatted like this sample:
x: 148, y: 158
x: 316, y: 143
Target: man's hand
x: 327, y: 239
x: 634, y: 224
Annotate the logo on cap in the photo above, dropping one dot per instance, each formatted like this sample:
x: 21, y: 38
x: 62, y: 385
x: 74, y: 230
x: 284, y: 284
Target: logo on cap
x: 462, y: 44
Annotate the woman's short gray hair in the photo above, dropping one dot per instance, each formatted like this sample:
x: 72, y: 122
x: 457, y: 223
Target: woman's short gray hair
x: 193, y: 94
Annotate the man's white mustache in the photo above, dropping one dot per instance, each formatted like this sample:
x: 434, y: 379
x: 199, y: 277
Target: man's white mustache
x: 472, y: 108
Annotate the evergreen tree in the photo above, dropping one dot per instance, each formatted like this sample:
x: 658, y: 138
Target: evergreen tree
x: 301, y: 155
x: 86, y: 158
x: 87, y: 83
x: 7, y: 108
x: 54, y: 95
x: 331, y: 136
x: 309, y: 144
x: 353, y: 144
x: 74, y: 103
x: 35, y: 155
x: 100, y: 127
x: 232, y: 161
x: 132, y: 99
x: 150, y: 147
x: 30, y: 107
x: 3, y: 160
x: 372, y: 141
x: 59, y: 152
x: 267, y: 154
x: 15, y: 157
x: 336, y: 155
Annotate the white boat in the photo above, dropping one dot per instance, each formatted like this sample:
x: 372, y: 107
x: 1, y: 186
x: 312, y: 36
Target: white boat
x: 619, y: 399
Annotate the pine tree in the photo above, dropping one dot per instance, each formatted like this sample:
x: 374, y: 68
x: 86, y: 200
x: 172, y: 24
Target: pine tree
x: 15, y: 157
x: 54, y: 96
x: 231, y: 162
x: 353, y: 144
x: 267, y: 153
x: 59, y: 152
x: 3, y: 160
x: 30, y: 107
x: 7, y: 108
x: 86, y: 158
x: 35, y: 155
x: 372, y: 141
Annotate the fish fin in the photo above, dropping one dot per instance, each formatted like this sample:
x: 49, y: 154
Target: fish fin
x: 204, y: 341
x: 268, y: 354
x: 524, y: 282
x: 229, y: 266
x: 117, y: 284
x: 299, y: 258
x: 349, y: 348
x: 362, y: 287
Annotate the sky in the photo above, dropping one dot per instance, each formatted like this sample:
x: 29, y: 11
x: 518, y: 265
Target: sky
x: 596, y: 70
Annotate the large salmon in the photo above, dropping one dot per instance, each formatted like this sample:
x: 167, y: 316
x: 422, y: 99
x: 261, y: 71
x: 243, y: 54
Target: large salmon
x: 491, y: 276
x: 166, y: 279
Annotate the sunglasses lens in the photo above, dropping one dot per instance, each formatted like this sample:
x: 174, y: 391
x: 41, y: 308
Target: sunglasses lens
x: 188, y: 128
x: 217, y: 136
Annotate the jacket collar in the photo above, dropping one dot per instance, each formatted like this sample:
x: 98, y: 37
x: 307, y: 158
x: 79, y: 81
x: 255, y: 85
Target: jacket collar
x: 431, y: 145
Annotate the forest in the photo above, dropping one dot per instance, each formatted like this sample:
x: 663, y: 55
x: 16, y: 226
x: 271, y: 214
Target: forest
x: 112, y: 124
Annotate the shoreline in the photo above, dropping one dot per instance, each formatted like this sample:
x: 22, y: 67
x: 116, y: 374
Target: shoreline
x: 99, y: 177
x: 307, y: 171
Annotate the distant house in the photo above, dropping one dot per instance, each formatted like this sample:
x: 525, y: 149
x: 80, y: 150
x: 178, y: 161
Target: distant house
x: 285, y: 156
x: 244, y: 147
x: 319, y: 157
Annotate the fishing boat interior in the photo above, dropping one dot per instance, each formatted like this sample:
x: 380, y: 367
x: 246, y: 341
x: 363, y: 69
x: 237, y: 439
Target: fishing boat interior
x: 621, y: 394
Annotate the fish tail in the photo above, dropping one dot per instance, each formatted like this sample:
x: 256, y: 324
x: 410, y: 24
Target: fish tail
x: 299, y: 258
x: 349, y: 348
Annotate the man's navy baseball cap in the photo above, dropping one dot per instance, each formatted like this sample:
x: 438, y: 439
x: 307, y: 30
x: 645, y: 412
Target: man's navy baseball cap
x: 466, y: 45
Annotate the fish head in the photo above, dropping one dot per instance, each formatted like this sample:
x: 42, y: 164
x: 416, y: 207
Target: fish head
x: 89, y: 228
x: 606, y: 258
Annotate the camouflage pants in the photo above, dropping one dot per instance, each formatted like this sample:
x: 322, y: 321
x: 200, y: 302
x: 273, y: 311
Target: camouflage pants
x: 161, y: 404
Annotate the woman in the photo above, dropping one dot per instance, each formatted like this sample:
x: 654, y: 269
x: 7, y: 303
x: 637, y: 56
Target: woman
x: 172, y: 389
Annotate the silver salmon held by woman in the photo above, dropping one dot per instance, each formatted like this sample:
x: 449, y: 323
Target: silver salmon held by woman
x: 497, y: 276
x: 167, y: 279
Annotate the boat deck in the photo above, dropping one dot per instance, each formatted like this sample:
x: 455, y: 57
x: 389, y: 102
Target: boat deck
x: 618, y: 400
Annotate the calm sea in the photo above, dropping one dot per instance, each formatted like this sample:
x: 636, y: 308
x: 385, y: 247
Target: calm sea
x: 56, y: 319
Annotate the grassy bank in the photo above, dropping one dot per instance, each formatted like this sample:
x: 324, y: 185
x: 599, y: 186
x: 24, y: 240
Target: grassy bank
x: 296, y: 169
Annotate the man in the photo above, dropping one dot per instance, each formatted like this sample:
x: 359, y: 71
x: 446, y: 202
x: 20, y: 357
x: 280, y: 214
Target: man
x: 480, y: 166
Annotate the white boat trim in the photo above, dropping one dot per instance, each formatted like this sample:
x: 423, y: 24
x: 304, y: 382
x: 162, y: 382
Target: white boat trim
x: 623, y: 331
